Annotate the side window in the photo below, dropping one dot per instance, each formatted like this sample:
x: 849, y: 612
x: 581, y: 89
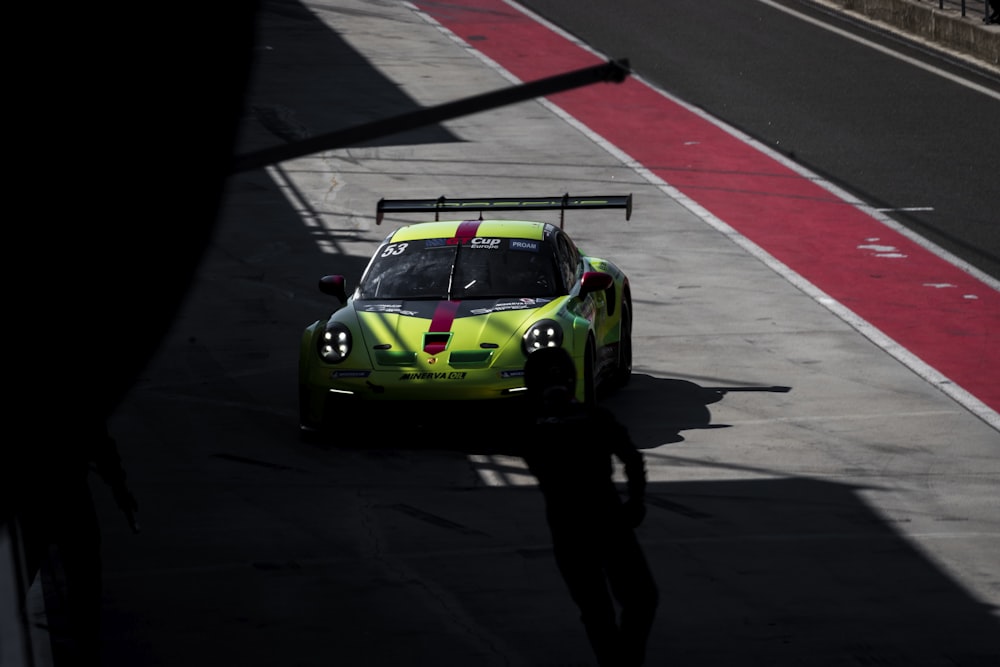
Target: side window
x: 569, y: 260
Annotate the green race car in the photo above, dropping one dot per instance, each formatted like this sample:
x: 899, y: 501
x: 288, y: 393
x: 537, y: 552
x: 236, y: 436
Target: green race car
x: 449, y: 310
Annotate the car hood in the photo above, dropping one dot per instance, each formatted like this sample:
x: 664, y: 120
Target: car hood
x: 397, y: 333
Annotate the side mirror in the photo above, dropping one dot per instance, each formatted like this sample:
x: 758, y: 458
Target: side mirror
x: 595, y: 281
x: 335, y: 286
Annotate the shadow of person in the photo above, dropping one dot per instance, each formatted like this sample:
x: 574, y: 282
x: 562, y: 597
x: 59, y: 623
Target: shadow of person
x: 656, y: 410
x: 571, y: 448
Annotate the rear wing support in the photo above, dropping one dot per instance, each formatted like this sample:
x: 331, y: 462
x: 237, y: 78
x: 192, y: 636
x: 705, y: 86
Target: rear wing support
x: 562, y: 203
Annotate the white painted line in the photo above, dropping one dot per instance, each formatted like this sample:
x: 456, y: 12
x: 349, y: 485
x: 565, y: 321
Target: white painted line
x: 878, y: 416
x: 821, y: 537
x: 882, y: 49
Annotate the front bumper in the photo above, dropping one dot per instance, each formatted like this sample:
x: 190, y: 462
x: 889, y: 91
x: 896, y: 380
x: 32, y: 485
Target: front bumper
x: 330, y: 396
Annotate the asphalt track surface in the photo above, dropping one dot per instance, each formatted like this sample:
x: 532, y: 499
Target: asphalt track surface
x: 831, y: 241
x: 850, y: 521
x: 850, y: 101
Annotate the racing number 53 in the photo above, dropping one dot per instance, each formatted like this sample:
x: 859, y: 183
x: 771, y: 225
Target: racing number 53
x: 394, y: 249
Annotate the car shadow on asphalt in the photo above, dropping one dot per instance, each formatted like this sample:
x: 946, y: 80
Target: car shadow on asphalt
x: 655, y: 410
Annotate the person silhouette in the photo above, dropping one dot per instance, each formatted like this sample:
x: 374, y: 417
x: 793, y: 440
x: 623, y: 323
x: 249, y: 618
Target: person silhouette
x: 571, y: 451
x: 62, y: 537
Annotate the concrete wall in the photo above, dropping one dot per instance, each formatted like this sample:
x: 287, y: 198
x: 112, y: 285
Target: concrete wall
x: 945, y: 27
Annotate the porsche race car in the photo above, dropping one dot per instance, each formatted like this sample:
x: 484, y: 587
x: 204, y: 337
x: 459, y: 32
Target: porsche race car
x: 450, y: 310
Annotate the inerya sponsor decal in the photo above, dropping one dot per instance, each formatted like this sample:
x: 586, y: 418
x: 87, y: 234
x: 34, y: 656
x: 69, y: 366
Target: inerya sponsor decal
x: 445, y: 375
x: 382, y: 307
x: 387, y: 308
x: 520, y: 304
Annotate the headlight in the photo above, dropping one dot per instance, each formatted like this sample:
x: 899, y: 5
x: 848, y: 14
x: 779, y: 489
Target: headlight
x: 335, y: 343
x: 544, y: 333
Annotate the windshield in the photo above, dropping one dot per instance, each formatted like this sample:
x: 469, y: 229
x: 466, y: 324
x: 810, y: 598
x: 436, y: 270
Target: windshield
x: 477, y: 268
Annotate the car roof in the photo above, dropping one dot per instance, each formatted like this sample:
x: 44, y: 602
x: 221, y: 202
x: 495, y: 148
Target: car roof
x: 520, y: 229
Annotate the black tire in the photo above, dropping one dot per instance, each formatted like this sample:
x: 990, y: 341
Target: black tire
x: 589, y: 378
x: 308, y: 427
x: 309, y: 436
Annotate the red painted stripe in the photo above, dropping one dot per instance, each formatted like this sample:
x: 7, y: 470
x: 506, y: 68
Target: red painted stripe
x: 467, y: 229
x: 444, y: 314
x: 944, y: 316
x: 443, y: 318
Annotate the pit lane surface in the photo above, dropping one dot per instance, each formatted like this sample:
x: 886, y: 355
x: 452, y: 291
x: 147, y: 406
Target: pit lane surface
x: 880, y: 116
x: 849, y: 521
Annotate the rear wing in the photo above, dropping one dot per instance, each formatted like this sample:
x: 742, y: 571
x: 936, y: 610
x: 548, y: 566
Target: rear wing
x: 560, y: 203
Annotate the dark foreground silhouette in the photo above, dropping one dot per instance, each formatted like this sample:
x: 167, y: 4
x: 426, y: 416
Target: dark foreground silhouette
x: 571, y: 449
